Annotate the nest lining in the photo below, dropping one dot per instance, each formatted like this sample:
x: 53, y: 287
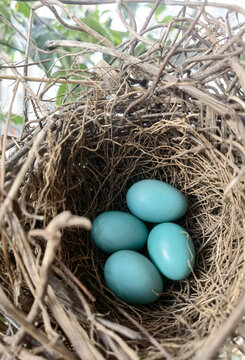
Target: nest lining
x: 89, y: 176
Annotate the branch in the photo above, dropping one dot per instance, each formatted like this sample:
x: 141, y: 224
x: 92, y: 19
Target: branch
x: 38, y: 335
x: 165, y: 61
x: 47, y: 80
x: 149, y: 69
x: 164, y: 2
x: 80, y: 24
x: 214, y: 345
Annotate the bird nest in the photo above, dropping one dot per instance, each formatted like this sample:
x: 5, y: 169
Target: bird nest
x: 173, y: 113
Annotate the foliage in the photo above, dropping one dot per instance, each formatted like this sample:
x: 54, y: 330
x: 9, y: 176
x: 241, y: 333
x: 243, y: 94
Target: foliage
x: 16, y: 26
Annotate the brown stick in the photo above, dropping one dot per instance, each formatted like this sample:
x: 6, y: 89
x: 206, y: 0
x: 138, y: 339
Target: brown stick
x: 12, y: 312
x: 164, y: 2
x: 46, y: 80
x: 145, y: 332
x: 214, y: 345
x: 165, y: 61
x: 3, y: 148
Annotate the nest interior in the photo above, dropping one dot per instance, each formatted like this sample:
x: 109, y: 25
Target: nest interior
x: 87, y: 156
x: 88, y: 175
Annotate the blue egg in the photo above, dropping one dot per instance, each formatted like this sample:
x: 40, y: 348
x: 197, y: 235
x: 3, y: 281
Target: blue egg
x: 132, y: 277
x: 155, y: 201
x: 172, y: 251
x: 116, y: 230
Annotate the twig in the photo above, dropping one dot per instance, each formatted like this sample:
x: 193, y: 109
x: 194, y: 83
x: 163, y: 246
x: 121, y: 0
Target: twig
x: 144, y: 27
x: 12, y: 312
x: 78, y: 337
x: 76, y: 281
x: 165, y: 61
x: 52, y: 235
x: 47, y: 80
x: 213, y: 346
x: 82, y: 26
x: 18, y: 65
x: 4, y: 139
x: 164, y: 2
x: 129, y: 28
x: 148, y: 69
x: 146, y: 333
x: 211, y: 57
x: 17, y: 182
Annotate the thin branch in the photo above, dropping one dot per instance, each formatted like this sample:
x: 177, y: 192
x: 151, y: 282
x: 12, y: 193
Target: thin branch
x: 214, y: 345
x: 129, y: 28
x: 81, y: 25
x: 154, y: 342
x: 165, y: 61
x: 12, y: 312
x: 25, y: 70
x: 17, y: 182
x: 164, y: 2
x: 18, y: 65
x: 47, y: 80
x: 149, y: 69
x: 4, y: 140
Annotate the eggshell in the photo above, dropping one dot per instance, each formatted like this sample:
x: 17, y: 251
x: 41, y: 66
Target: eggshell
x: 172, y: 251
x: 132, y: 277
x: 155, y: 201
x: 118, y: 230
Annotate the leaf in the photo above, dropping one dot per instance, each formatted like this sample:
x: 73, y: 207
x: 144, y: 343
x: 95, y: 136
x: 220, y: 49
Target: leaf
x: 160, y: 9
x: 40, y: 34
x: 118, y: 36
x: 3, y: 326
x: 4, y: 11
x: 167, y: 19
x: 140, y: 49
x: 16, y: 119
x: 62, y: 91
x: 23, y: 8
x: 15, y: 124
x: 95, y: 25
x: 242, y: 58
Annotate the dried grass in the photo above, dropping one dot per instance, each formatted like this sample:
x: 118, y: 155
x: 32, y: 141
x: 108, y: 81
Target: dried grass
x: 184, y: 127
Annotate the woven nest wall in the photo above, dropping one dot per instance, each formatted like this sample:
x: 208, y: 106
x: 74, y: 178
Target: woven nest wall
x: 174, y: 113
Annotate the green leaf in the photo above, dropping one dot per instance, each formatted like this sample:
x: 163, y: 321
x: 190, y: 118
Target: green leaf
x: 242, y: 58
x: 167, y: 19
x: 140, y: 49
x: 4, y: 11
x: 23, y: 8
x: 40, y: 34
x: 118, y: 36
x: 160, y: 9
x: 16, y: 119
x: 95, y: 25
x: 62, y: 91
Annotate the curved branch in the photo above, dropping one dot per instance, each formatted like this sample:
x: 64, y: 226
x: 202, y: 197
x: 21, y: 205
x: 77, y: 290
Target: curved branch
x: 235, y: 8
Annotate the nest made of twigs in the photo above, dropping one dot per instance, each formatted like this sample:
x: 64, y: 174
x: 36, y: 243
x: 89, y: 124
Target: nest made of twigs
x: 162, y: 116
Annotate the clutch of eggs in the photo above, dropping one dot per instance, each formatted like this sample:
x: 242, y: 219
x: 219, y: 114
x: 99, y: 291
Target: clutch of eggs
x: 128, y: 274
